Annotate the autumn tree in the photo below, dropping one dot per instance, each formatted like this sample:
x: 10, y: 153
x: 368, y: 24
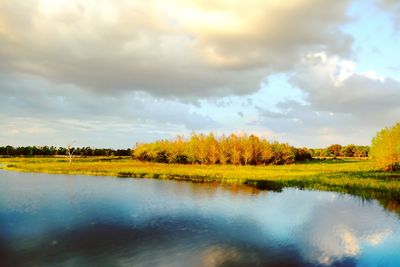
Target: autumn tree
x: 385, y: 148
x: 248, y: 151
x: 256, y: 146
x: 224, y: 153
x: 267, y: 152
x: 213, y: 149
x: 208, y: 149
x: 235, y: 149
x: 349, y: 150
x: 334, y: 150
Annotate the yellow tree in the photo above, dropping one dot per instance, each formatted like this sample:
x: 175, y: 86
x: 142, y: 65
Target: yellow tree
x: 267, y: 152
x: 235, y: 149
x: 255, y: 143
x: 177, y: 150
x: 385, y: 148
x: 288, y: 155
x: 248, y: 151
x: 191, y: 148
x: 202, y: 149
x: 224, y: 150
x: 213, y: 149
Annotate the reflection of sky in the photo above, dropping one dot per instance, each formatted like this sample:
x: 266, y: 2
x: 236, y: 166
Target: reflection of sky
x: 324, y: 227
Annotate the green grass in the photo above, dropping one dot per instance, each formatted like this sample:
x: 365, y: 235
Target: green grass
x: 357, y: 177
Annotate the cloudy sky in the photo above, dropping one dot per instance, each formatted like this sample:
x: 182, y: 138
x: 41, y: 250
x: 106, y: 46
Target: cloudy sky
x: 110, y: 73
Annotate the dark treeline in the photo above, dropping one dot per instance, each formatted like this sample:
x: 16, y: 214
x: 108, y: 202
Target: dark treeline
x: 208, y: 149
x: 340, y: 151
x: 203, y: 149
x: 29, y: 151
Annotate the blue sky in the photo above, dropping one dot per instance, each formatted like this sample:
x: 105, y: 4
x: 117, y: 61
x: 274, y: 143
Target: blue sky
x: 113, y: 73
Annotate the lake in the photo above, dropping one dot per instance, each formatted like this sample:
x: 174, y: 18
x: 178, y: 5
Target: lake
x: 60, y: 220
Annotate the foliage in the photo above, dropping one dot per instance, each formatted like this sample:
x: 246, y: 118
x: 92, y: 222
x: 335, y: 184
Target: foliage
x: 29, y: 151
x: 336, y: 150
x: 208, y: 149
x: 385, y: 148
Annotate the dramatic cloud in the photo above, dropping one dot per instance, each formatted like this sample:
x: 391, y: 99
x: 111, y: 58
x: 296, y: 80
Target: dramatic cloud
x: 339, y: 104
x: 167, y: 48
x: 116, y: 72
x: 332, y: 85
x: 24, y: 96
x: 33, y: 111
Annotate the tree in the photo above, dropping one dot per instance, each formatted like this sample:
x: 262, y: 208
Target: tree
x: 191, y: 148
x: 177, y: 151
x: 213, y: 149
x: 349, y: 151
x: 385, y: 148
x: 235, y: 149
x: 267, y: 152
x: 288, y: 155
x: 224, y: 154
x: 334, y: 150
x: 208, y: 149
x: 202, y: 150
x: 256, y: 145
x: 361, y: 151
x: 248, y: 151
x: 70, y: 151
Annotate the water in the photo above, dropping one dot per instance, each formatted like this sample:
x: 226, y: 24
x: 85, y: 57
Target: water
x: 59, y: 220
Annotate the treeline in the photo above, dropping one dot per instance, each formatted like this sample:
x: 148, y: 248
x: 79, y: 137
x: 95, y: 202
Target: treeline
x: 340, y: 151
x: 29, y: 151
x: 208, y: 149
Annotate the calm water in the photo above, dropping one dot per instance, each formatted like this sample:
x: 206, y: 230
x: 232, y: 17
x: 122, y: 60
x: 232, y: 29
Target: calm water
x: 58, y: 220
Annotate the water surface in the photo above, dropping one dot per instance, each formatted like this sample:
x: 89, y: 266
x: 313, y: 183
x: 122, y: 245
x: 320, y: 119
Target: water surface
x: 60, y: 220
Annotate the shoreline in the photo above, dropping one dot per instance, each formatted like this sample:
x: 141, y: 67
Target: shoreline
x: 356, y: 177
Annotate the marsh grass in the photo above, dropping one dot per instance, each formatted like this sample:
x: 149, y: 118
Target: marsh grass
x: 357, y: 177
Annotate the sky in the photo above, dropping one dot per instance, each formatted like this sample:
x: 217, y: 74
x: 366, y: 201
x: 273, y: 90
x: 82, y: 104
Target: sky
x: 111, y: 73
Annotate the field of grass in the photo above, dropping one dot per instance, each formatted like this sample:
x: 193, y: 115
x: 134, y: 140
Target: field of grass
x: 357, y: 177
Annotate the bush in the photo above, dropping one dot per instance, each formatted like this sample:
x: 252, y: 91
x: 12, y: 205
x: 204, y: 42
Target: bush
x: 385, y: 148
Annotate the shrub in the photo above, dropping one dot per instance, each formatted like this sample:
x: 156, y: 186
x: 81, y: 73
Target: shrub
x: 385, y: 148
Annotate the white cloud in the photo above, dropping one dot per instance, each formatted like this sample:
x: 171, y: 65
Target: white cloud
x: 341, y: 105
x: 175, y: 48
x: 347, y: 92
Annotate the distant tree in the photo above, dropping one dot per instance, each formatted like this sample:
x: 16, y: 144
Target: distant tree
x: 141, y: 152
x: 29, y: 151
x: 208, y: 149
x: 224, y: 153
x: 349, y: 150
x: 248, y: 150
x: 288, y: 154
x: 334, y: 150
x: 235, y: 149
x: 202, y: 149
x: 70, y: 151
x: 302, y: 154
x: 361, y: 151
x: 213, y: 149
x: 267, y: 152
x: 385, y: 148
x: 256, y: 146
x: 177, y: 151
x: 191, y: 148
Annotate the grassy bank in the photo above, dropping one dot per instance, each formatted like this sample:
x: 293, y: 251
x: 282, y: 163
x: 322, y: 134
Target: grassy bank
x: 358, y: 177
